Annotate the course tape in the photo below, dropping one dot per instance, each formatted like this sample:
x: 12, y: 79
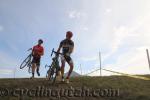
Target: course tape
x: 133, y: 76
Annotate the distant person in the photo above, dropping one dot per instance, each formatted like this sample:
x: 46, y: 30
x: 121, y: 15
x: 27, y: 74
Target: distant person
x: 37, y: 52
x: 67, y: 46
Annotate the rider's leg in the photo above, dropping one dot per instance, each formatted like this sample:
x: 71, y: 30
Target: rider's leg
x: 62, y: 67
x: 37, y: 70
x: 70, y: 62
x: 70, y: 70
x: 33, y: 69
x: 38, y: 66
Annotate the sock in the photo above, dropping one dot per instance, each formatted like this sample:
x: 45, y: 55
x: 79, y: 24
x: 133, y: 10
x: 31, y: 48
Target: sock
x: 37, y: 70
x: 67, y: 77
x: 33, y: 74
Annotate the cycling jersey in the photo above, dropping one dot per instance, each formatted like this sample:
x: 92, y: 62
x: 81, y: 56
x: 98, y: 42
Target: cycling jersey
x: 38, y: 49
x: 36, y: 57
x: 66, y: 45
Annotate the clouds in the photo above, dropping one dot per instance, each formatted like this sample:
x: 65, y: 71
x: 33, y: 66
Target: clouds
x: 132, y: 62
x: 134, y: 40
x: 119, y: 29
x: 88, y: 59
x: 85, y: 28
x: 1, y: 28
x: 6, y: 71
x: 76, y: 14
x: 7, y: 65
x: 108, y: 11
x: 119, y: 38
x: 73, y: 14
x: 7, y: 61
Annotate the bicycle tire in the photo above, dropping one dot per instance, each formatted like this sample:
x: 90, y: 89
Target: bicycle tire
x: 53, y: 70
x: 54, y: 79
x: 56, y: 69
x: 29, y: 67
x: 25, y: 62
x: 52, y: 76
x: 47, y: 75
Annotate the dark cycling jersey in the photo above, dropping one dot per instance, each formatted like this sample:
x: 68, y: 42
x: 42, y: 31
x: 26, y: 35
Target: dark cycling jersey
x: 66, y: 45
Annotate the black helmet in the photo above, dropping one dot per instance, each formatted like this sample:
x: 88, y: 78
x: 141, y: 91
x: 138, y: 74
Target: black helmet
x: 40, y: 40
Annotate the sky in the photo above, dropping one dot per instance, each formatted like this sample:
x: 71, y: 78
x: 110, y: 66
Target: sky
x: 119, y: 29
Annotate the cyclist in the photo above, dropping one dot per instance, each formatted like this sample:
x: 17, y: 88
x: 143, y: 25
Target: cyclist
x: 67, y: 46
x: 37, y: 52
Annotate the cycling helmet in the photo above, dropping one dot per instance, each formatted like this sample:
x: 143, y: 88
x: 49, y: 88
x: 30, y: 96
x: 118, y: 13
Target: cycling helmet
x: 69, y: 34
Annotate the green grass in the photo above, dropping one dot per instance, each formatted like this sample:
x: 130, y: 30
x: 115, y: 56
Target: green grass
x: 129, y: 88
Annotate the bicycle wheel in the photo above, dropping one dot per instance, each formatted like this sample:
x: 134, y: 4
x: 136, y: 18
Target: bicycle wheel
x: 29, y: 67
x: 25, y: 62
x: 56, y: 69
x: 54, y: 78
x: 51, y: 74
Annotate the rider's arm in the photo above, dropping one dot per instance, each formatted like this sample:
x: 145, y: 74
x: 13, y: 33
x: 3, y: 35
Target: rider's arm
x: 60, y: 46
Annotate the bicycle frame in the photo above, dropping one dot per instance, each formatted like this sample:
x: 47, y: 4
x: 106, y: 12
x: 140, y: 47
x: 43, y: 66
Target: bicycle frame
x: 54, y: 67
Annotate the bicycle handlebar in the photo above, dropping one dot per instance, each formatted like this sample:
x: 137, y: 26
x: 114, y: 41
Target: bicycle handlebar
x: 57, y: 53
x: 46, y: 66
x: 29, y: 49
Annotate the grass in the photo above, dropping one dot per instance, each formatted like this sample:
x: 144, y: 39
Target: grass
x: 129, y: 88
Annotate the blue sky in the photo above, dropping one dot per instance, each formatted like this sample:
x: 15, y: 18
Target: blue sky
x: 117, y: 28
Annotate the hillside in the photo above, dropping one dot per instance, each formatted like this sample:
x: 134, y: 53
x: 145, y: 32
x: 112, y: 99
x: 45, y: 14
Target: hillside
x: 73, y: 74
x: 80, y: 88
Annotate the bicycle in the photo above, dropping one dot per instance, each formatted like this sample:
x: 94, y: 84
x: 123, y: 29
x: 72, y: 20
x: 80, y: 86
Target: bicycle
x: 54, y: 68
x: 27, y: 62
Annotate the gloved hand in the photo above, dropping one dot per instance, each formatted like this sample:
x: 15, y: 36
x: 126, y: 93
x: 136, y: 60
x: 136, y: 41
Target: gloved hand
x: 57, y: 55
x: 67, y: 54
